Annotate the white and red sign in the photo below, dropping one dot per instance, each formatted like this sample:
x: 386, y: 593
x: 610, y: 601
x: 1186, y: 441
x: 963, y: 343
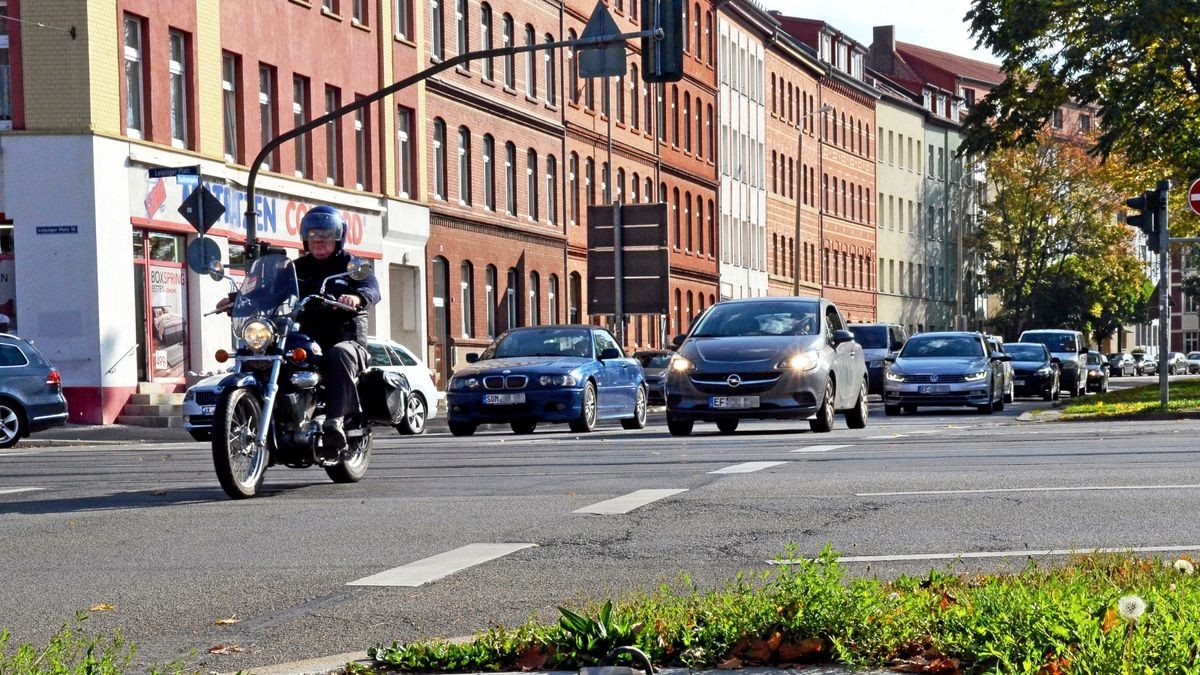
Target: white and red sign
x: 1194, y: 196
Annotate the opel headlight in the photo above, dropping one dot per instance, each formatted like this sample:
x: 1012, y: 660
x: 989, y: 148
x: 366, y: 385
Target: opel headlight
x: 258, y: 335
x: 804, y: 361
x: 975, y: 377
x: 557, y: 381
x: 464, y: 383
x: 680, y: 364
x: 1044, y: 370
x: 893, y: 376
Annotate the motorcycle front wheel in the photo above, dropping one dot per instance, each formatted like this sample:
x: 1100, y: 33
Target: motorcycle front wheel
x: 240, y: 461
x: 354, y: 462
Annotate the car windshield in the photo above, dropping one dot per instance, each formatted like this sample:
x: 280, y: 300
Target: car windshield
x: 653, y: 360
x: 1193, y: 355
x: 736, y: 319
x: 1093, y: 359
x: 870, y: 337
x: 1056, y: 342
x: 932, y: 346
x: 1026, y: 352
x: 542, y: 342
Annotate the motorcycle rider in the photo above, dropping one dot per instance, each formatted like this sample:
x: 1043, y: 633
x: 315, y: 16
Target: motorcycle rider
x: 342, y: 335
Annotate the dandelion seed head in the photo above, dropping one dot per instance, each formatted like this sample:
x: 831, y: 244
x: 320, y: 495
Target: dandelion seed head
x: 1131, y: 607
x: 1184, y: 567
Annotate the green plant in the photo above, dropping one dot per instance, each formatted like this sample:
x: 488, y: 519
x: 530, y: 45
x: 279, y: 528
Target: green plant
x: 585, y: 640
x: 71, y: 652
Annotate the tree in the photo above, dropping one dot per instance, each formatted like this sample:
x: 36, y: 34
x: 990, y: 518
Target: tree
x: 1051, y: 247
x: 1137, y: 60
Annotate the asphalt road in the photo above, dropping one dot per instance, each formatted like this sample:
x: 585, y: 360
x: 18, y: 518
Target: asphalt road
x: 308, y: 569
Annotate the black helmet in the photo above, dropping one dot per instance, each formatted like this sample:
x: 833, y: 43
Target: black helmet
x: 323, y: 218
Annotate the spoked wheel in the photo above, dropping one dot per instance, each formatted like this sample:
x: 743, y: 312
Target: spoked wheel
x: 12, y: 424
x: 240, y: 460
x: 414, y: 416
x: 587, y: 417
x: 355, y: 458
x: 638, y: 421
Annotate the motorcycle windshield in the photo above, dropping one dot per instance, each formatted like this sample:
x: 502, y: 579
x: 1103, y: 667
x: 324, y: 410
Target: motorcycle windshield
x: 270, y: 288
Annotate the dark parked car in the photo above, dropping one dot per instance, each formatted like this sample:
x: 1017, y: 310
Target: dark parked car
x: 555, y: 374
x: 945, y: 369
x: 31, y: 397
x: 1070, y: 348
x: 654, y: 367
x: 878, y: 341
x: 1097, y: 373
x: 767, y: 358
x: 1121, y: 364
x: 1193, y: 360
x: 1034, y: 370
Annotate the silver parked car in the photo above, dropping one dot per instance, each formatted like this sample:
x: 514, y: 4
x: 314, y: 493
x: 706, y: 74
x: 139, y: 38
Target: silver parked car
x: 423, y: 401
x: 767, y: 358
x: 945, y: 369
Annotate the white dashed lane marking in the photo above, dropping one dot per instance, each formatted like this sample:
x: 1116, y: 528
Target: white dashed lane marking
x: 435, y: 567
x: 821, y: 448
x: 629, y: 502
x: 748, y: 467
x: 13, y: 491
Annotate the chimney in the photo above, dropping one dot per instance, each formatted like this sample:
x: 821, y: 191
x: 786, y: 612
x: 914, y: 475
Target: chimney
x: 882, y: 56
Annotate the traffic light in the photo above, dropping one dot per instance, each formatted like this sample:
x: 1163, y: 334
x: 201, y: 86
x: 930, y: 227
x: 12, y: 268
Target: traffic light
x: 662, y: 59
x: 1147, y: 221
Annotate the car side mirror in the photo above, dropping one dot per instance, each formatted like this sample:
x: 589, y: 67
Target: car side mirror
x: 896, y: 345
x: 678, y: 340
x: 842, y: 336
x: 610, y: 353
x: 472, y: 357
x: 890, y: 358
x: 1056, y: 361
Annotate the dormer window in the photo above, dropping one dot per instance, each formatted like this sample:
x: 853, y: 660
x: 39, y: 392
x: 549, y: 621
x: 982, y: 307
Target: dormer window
x: 927, y: 101
x: 856, y: 65
x: 826, y: 48
x: 842, y: 64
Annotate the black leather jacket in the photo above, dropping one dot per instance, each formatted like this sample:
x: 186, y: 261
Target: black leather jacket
x: 330, y: 326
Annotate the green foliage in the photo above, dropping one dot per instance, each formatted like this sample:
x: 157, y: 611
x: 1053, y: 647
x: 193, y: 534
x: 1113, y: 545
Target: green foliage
x: 587, y: 640
x: 71, y: 652
x: 1181, y: 397
x: 1138, y: 61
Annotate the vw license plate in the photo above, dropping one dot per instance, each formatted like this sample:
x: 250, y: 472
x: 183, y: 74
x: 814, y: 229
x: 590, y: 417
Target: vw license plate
x: 933, y: 389
x: 733, y: 402
x: 503, y: 399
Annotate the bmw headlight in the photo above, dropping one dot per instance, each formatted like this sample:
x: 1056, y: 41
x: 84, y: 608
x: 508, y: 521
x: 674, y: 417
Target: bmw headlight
x: 464, y: 383
x: 893, y: 376
x: 680, y: 364
x: 557, y: 381
x: 975, y: 377
x: 258, y: 335
x: 803, y: 362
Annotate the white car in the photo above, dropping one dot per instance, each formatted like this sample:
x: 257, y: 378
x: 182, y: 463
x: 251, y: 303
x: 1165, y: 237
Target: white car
x: 422, y: 404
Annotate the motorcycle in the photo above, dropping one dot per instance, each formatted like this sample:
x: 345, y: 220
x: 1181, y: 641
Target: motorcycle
x: 270, y: 409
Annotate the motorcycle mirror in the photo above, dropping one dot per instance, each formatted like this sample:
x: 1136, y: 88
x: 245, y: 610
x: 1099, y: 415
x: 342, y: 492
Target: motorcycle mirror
x: 358, y: 268
x: 216, y: 270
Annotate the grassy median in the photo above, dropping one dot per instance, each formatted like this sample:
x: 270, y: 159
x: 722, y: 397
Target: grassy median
x: 1183, y: 396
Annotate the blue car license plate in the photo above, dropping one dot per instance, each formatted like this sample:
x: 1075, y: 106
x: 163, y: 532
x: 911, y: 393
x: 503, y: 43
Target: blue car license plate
x: 933, y: 389
x: 731, y: 402
x: 503, y: 399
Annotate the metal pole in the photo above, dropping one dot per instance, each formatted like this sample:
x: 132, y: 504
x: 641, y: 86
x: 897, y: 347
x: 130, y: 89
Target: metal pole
x: 1164, y: 291
x: 200, y: 202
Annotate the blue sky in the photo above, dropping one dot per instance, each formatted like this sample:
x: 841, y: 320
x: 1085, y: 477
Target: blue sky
x: 937, y: 24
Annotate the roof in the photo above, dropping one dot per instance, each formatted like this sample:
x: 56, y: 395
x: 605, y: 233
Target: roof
x: 923, y: 60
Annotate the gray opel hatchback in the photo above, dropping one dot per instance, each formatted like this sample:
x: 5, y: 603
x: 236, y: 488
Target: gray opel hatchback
x: 31, y: 396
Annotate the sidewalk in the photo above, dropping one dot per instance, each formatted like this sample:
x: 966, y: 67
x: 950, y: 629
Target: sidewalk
x: 103, y: 434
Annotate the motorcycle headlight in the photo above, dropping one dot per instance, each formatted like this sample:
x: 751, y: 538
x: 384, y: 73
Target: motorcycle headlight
x: 680, y: 364
x: 893, y: 376
x: 975, y: 377
x: 804, y: 361
x: 258, y: 335
x: 557, y: 381
x: 464, y: 383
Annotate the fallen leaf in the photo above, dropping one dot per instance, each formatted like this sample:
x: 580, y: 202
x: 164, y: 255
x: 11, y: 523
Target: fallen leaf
x: 775, y: 640
x: 226, y: 649
x: 101, y: 607
x: 533, y: 658
x: 947, y: 600
x: 730, y: 664
x: 759, y: 651
x: 1110, y: 620
x: 228, y: 622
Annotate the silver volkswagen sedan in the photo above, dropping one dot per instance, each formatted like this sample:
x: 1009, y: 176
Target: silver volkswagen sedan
x: 944, y: 369
x: 767, y: 358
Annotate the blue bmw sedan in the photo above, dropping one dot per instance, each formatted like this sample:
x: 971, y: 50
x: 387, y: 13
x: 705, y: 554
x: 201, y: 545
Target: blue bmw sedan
x: 551, y: 374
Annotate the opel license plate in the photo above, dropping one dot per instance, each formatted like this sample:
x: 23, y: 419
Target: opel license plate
x: 727, y: 402
x: 503, y: 399
x: 933, y: 389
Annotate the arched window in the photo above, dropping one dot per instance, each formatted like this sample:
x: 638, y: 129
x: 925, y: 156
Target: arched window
x: 687, y: 122
x: 535, y: 299
x: 589, y: 180
x: 437, y: 30
x: 700, y: 224
x: 467, y: 299
x: 551, y: 80
x: 687, y: 208
x: 712, y: 132
x: 699, y: 45
x: 530, y: 63
x: 574, y: 294
x: 637, y: 189
x: 552, y: 299
x: 510, y: 67
x: 621, y: 185
x: 462, y: 32
x: 464, y: 166
x: 620, y: 115
x: 510, y: 178
x: 675, y: 115
x: 635, y: 85
x: 489, y: 299
x: 678, y: 311
x: 486, y: 40
x: 489, y: 172
x: 551, y: 189
x: 439, y: 158
x: 712, y: 229
x: 511, y: 299
x: 675, y: 217
x: 648, y: 103
x: 572, y: 71
x: 573, y: 189
x: 531, y: 183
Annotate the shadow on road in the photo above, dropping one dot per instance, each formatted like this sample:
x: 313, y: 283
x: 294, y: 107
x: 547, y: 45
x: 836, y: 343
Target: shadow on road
x: 137, y: 499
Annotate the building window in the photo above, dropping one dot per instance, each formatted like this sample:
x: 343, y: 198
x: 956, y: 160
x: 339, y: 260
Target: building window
x: 551, y: 80
x: 177, y: 68
x: 461, y: 19
x: 574, y: 295
x: 467, y: 301
x: 551, y: 189
x: 485, y: 39
x: 621, y: 99
x: 439, y: 158
x: 464, y: 166
x: 266, y: 109
x: 510, y: 66
x: 489, y: 172
x: 1057, y: 120
x: 531, y: 182
x: 405, y: 152
x: 589, y: 180
x: 510, y: 299
x: 1085, y: 123
x: 403, y: 13
x: 229, y: 100
x: 572, y: 71
x: 437, y: 30
x: 573, y: 189
x: 530, y: 63
x: 634, y: 108
x: 362, y: 144
x: 333, y: 138
x: 135, y: 110
x: 358, y: 12
x: 510, y: 178
x: 535, y: 299
x: 489, y: 300
x: 299, y: 118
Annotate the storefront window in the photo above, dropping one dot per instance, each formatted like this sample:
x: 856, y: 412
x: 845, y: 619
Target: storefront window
x: 161, y: 298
